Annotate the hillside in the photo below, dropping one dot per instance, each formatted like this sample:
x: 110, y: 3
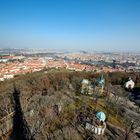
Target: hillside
x: 54, y: 107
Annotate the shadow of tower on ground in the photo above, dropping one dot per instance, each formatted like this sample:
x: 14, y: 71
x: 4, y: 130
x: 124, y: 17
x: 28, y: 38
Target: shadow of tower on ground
x: 21, y: 129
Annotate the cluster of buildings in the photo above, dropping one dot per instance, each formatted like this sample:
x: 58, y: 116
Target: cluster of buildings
x: 31, y: 64
x: 78, y: 66
x: 119, y: 61
x: 9, y: 69
x: 71, y: 65
x: 107, y: 57
x: 11, y: 65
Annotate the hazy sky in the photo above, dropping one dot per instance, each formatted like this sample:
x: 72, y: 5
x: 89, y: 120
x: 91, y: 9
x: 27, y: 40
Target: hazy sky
x: 102, y: 25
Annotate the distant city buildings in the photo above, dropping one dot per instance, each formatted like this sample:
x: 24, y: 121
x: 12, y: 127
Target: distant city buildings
x: 11, y: 65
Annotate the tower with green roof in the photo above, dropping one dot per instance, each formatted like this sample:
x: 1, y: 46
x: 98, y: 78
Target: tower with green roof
x: 101, y: 82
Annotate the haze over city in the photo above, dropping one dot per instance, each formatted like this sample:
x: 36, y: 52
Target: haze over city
x: 97, y: 25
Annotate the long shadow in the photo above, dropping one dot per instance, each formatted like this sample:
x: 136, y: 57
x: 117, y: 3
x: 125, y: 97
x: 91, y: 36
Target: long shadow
x: 21, y: 129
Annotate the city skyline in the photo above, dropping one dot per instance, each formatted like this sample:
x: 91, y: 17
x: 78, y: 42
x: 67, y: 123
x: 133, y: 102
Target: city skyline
x: 71, y: 25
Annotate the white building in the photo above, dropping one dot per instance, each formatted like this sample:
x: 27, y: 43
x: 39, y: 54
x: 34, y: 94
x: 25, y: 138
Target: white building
x: 130, y: 84
x: 8, y: 76
x: 1, y: 79
x: 99, y: 130
x: 85, y: 81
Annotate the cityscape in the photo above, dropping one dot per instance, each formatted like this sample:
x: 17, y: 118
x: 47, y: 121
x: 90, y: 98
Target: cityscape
x: 69, y: 69
x: 21, y: 62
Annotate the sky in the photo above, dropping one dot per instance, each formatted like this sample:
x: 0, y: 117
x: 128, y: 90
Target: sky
x: 90, y: 25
